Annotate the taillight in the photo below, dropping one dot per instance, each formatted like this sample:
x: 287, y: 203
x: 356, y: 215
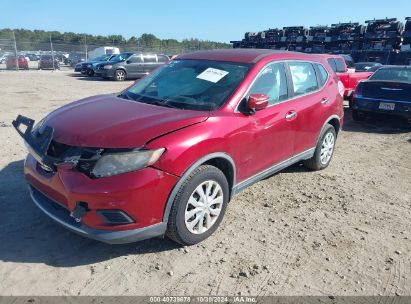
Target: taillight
x: 358, y: 89
x: 358, y: 92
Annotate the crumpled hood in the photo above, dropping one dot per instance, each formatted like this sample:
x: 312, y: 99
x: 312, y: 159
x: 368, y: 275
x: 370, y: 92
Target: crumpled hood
x: 106, y: 121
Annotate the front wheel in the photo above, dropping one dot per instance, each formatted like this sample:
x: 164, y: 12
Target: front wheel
x: 324, y: 150
x: 120, y: 75
x: 199, y: 206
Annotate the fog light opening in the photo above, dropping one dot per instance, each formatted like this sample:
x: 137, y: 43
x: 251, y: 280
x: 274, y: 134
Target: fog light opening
x: 115, y: 217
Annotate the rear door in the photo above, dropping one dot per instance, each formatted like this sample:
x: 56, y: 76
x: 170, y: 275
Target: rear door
x: 311, y: 102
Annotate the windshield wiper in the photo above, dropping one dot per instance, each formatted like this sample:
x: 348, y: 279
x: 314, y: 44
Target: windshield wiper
x: 161, y: 103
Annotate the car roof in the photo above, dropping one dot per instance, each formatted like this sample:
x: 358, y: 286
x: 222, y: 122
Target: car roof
x: 395, y: 67
x: 245, y: 55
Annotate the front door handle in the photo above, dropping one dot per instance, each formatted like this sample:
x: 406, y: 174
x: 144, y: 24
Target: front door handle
x: 291, y: 115
x: 325, y: 101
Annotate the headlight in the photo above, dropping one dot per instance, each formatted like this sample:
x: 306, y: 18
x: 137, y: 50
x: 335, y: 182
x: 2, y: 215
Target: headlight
x: 122, y: 162
x: 108, y: 67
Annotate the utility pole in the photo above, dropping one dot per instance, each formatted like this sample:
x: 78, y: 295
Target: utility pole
x: 15, y: 52
x: 85, y: 46
x: 52, y: 52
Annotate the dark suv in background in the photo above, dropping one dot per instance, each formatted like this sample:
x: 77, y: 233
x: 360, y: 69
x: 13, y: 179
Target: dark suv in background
x: 130, y: 65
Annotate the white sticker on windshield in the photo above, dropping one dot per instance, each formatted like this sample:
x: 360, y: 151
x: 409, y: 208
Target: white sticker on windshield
x: 212, y: 75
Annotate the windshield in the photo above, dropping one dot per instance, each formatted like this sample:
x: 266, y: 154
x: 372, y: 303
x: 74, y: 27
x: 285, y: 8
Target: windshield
x: 121, y: 57
x: 46, y: 57
x: 394, y: 74
x: 189, y: 84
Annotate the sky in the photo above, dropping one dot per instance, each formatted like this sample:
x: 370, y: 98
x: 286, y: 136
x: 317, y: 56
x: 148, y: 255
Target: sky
x: 217, y: 20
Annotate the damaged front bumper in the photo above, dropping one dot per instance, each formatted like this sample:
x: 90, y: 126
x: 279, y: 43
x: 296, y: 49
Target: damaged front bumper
x: 61, y: 216
x: 58, y: 185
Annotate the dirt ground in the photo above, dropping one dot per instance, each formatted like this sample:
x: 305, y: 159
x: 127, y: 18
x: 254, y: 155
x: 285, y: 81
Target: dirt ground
x: 342, y: 231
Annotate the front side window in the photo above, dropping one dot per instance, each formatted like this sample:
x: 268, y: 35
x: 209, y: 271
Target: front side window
x: 272, y: 82
x: 189, y: 84
x: 303, y: 77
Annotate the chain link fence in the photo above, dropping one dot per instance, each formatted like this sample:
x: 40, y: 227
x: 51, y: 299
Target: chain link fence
x: 42, y: 47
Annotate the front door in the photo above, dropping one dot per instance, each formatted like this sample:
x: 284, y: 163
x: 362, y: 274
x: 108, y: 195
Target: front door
x: 267, y: 136
x: 134, y: 66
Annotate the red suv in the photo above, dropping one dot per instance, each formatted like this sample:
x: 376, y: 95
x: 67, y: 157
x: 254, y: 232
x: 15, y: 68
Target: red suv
x: 165, y: 156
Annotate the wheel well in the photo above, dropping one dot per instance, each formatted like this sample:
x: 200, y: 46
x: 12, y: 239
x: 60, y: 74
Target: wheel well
x: 226, y: 167
x: 336, y: 124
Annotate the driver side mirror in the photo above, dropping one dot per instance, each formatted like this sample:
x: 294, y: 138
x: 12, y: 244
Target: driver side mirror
x: 257, y: 102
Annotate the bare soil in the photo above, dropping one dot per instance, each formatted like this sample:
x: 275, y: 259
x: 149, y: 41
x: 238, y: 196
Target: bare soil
x: 341, y: 231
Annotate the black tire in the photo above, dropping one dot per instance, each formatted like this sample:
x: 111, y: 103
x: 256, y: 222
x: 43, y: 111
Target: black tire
x: 90, y: 73
x: 358, y: 116
x: 120, y: 75
x: 176, y: 227
x: 315, y: 162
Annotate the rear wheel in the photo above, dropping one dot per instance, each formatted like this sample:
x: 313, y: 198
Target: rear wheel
x: 199, y: 206
x: 324, y: 150
x: 358, y: 115
x: 120, y: 75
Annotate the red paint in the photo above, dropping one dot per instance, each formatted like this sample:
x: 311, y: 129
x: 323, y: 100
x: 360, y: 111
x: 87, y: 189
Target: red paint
x: 254, y: 142
x: 349, y: 80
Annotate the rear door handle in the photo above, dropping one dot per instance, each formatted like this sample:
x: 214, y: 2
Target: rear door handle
x: 291, y: 115
x: 325, y: 101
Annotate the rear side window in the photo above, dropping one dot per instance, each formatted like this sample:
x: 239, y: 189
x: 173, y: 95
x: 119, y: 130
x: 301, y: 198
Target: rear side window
x: 322, y: 74
x: 304, y: 77
x: 272, y: 82
x: 332, y: 64
x: 150, y: 59
x: 135, y: 59
x: 340, y: 65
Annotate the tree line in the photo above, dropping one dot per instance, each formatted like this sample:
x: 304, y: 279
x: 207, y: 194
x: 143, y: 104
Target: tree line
x: 28, y: 40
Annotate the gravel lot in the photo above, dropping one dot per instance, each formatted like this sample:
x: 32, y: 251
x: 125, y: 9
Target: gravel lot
x: 342, y: 231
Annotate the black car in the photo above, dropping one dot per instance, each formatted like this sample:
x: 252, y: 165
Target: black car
x: 46, y: 62
x: 87, y: 67
x: 367, y: 66
x: 130, y: 66
x: 387, y: 91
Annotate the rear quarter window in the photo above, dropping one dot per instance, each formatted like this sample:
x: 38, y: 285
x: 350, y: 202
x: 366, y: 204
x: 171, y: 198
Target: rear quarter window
x: 322, y: 74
